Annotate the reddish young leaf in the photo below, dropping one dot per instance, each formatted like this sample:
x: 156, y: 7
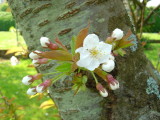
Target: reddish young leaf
x: 74, y: 67
x: 125, y: 43
x: 127, y: 35
x: 60, y: 44
x: 80, y: 38
x: 56, y: 55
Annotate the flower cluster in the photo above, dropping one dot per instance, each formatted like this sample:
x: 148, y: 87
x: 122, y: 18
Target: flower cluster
x: 88, y: 54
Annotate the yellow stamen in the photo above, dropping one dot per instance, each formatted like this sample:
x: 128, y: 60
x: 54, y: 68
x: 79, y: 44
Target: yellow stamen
x: 94, y: 52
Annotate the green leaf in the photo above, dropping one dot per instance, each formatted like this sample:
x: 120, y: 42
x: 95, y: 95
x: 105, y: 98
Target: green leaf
x: 79, y: 83
x: 64, y: 67
x: 56, y: 55
x: 84, y: 79
x: 120, y: 52
x: 72, y: 44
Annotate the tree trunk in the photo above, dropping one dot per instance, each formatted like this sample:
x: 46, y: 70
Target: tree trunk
x: 136, y: 75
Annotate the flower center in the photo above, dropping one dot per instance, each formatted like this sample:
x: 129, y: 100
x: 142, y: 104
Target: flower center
x: 94, y: 52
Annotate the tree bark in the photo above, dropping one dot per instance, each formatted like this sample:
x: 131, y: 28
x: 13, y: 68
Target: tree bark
x: 65, y: 18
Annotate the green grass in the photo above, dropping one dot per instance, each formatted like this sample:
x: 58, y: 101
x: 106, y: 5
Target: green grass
x: 8, y: 40
x: 11, y: 86
x: 151, y: 36
x: 153, y: 49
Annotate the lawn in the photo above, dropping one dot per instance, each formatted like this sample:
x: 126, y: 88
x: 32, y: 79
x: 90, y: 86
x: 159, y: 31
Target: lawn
x: 152, y: 49
x: 11, y: 86
x: 9, y: 40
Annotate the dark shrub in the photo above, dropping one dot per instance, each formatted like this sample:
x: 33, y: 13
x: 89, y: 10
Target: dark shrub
x: 6, y: 21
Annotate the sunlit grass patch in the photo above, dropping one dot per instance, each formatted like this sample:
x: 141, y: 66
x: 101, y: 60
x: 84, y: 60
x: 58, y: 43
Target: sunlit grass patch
x: 153, y: 49
x: 11, y: 86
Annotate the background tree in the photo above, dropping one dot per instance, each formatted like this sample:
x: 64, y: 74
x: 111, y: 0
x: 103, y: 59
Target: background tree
x: 136, y: 75
x: 141, y: 15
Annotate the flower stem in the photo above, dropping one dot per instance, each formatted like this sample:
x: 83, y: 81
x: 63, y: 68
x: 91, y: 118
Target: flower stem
x: 94, y: 77
x: 58, y: 77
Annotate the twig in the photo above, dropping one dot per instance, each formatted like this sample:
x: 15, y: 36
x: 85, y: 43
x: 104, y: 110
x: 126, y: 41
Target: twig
x: 150, y: 14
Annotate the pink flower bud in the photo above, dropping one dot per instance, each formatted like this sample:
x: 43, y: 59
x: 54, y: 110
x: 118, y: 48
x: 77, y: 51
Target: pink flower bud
x: 37, y: 76
x: 46, y: 43
x: 33, y: 55
x: 103, y: 92
x: 29, y: 79
x: 37, y: 62
x: 52, y: 46
x: 113, y: 83
x: 43, y: 86
x: 32, y: 91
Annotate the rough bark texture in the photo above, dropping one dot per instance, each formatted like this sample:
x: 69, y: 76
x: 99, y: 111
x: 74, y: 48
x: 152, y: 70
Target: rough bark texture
x: 65, y: 18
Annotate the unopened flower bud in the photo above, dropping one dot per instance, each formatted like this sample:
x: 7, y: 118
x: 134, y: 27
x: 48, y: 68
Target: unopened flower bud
x: 117, y: 34
x: 111, y: 57
x: 53, y: 46
x: 108, y: 66
x: 43, y: 86
x: 113, y: 83
x: 37, y: 62
x: 103, y: 92
x: 46, y: 43
x: 33, y: 54
x: 29, y: 79
x: 31, y: 91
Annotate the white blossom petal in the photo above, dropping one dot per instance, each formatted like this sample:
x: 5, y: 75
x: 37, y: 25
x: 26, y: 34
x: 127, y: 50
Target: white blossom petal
x: 103, y: 59
x: 83, y: 62
x: 94, y: 63
x: 91, y: 41
x: 93, y: 52
x: 104, y: 48
x: 78, y: 50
